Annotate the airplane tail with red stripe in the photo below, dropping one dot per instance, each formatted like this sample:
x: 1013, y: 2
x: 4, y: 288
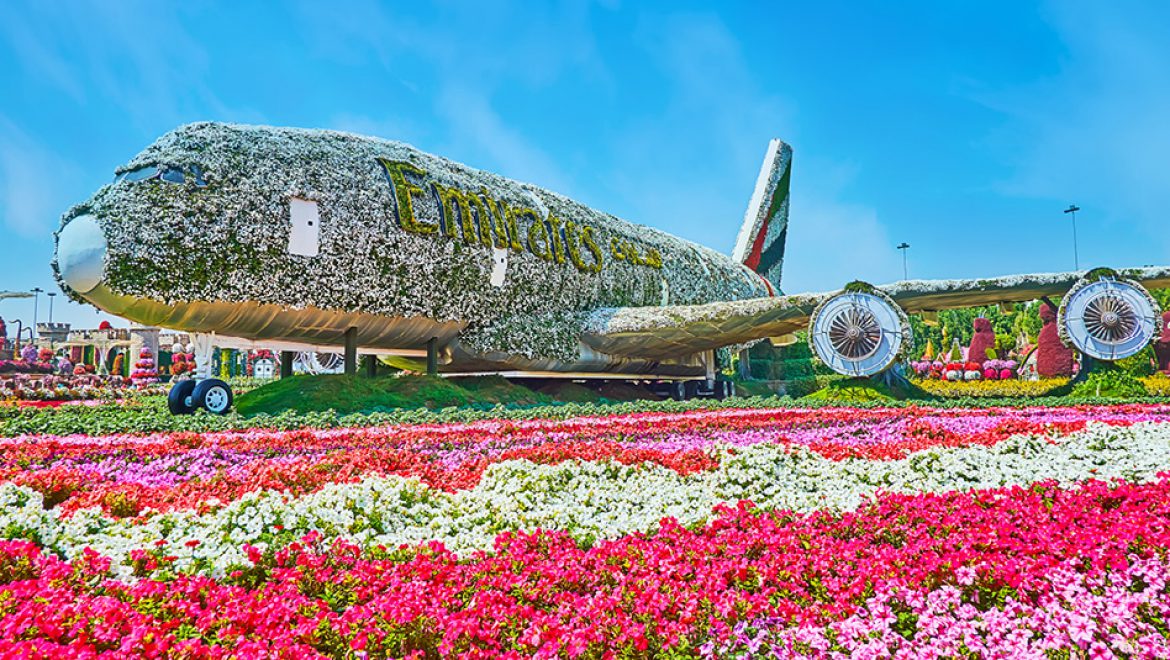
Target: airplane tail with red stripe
x: 760, y: 245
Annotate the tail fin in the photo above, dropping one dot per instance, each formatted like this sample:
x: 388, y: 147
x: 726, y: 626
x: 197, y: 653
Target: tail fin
x: 765, y: 225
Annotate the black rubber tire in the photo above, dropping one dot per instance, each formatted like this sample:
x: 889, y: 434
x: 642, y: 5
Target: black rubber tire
x: 692, y: 389
x: 214, y: 396
x: 678, y: 391
x: 722, y: 391
x: 179, y: 399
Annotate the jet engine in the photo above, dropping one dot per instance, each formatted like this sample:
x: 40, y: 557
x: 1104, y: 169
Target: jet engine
x: 859, y: 333
x: 1108, y: 318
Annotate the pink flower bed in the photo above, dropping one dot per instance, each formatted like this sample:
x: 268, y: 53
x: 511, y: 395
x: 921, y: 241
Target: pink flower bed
x: 189, y: 556
x: 182, y: 470
x: 1015, y: 572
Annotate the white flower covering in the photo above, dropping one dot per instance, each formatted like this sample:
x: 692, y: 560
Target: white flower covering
x: 638, y: 331
x: 590, y: 499
x: 228, y: 240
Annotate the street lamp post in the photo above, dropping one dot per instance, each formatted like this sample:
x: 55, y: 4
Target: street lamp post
x: 37, y: 291
x: 1073, y: 208
x: 51, y: 295
x: 905, y: 270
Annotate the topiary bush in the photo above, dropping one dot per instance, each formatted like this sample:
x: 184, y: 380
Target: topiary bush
x: 1053, y: 358
x: 1111, y: 384
x: 1162, y: 346
x: 850, y: 391
x: 982, y: 341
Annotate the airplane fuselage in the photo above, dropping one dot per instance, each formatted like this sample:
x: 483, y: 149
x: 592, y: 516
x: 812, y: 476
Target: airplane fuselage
x: 299, y: 235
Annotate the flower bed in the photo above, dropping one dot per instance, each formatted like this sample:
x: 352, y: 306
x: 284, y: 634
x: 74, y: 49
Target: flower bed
x: 922, y: 528
x: 980, y: 389
x: 1000, y: 572
x: 1158, y: 385
x: 77, y: 387
x: 148, y: 414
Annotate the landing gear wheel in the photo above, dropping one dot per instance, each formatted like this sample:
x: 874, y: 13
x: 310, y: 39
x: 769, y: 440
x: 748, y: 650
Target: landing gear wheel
x: 678, y: 391
x: 724, y: 389
x: 691, y: 389
x: 179, y: 399
x: 213, y: 395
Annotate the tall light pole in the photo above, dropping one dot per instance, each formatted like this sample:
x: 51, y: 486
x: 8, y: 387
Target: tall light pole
x: 51, y: 295
x: 37, y: 291
x: 905, y: 270
x: 1073, y: 208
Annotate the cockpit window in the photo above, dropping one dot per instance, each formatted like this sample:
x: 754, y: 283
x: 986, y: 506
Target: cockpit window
x: 138, y: 174
x: 168, y: 174
x: 197, y: 173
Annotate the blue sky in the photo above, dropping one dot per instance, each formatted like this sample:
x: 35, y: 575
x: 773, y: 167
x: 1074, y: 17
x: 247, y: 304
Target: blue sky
x: 961, y: 128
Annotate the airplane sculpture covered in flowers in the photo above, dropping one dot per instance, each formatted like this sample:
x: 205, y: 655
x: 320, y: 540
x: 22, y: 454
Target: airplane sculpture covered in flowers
x: 317, y: 239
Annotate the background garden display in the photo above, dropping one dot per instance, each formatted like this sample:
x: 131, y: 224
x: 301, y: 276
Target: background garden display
x: 707, y: 532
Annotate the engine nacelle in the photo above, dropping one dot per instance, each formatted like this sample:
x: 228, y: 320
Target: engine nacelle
x: 1108, y: 318
x: 859, y: 333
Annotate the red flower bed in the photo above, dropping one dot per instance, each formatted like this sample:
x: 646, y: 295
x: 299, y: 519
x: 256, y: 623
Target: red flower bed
x: 543, y: 595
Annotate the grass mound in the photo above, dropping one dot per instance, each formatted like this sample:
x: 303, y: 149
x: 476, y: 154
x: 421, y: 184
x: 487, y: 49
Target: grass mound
x: 351, y: 394
x: 497, y: 389
x: 747, y: 388
x: 851, y: 391
x: 570, y: 392
x: 619, y: 390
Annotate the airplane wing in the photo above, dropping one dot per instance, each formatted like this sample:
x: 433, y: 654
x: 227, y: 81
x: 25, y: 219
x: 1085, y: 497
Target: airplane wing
x: 658, y: 333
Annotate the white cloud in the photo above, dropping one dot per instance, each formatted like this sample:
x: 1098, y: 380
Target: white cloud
x: 697, y: 183
x: 31, y: 179
x: 1096, y: 133
x: 832, y: 243
x: 388, y: 127
x: 469, y: 54
x: 136, y: 55
x: 472, y: 120
x: 694, y: 183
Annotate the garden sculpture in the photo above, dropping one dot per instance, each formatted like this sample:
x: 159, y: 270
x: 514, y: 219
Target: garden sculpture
x: 1053, y: 358
x: 330, y: 241
x: 1162, y: 346
x: 982, y: 341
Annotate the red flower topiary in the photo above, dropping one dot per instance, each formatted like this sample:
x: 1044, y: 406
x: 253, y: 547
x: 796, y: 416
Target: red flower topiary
x: 981, y: 341
x: 1162, y: 346
x: 1053, y: 358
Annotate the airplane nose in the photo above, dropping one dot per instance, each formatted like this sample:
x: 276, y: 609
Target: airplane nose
x: 81, y: 253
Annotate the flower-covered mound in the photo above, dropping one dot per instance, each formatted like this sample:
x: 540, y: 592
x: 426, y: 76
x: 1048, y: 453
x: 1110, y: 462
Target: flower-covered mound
x: 924, y: 532
x: 1013, y: 572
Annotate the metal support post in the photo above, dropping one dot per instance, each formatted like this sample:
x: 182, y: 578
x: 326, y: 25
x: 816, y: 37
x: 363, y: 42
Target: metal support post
x: 286, y: 360
x: 351, y: 352
x: 745, y: 364
x: 372, y: 366
x: 432, y: 357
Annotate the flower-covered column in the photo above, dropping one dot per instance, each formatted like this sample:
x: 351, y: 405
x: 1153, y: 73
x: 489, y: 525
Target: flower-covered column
x: 143, y: 337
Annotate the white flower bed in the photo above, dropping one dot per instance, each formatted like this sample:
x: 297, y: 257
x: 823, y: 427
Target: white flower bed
x: 589, y: 499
